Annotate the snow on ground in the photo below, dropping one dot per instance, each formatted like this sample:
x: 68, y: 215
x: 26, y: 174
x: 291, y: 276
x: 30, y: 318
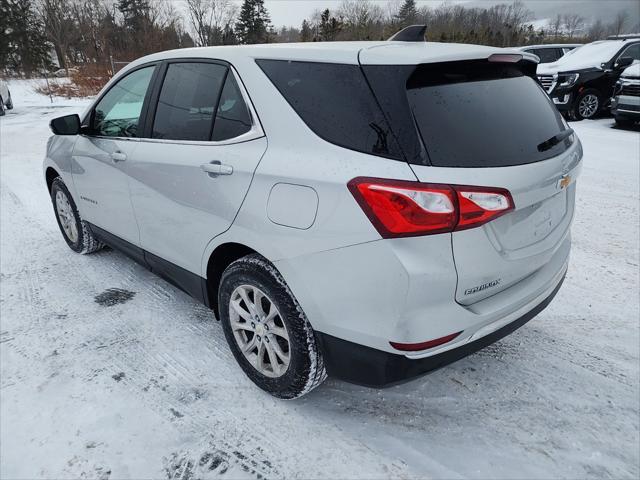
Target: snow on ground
x: 148, y: 388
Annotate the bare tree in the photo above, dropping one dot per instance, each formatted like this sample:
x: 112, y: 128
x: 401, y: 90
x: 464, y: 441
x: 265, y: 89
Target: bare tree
x: 572, y: 23
x: 363, y: 20
x: 620, y: 22
x: 59, y: 26
x: 556, y: 26
x: 210, y: 18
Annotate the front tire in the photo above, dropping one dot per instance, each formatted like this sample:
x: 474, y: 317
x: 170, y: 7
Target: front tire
x: 267, y: 331
x: 10, y: 103
x: 586, y: 105
x: 75, y: 231
x: 2, y: 112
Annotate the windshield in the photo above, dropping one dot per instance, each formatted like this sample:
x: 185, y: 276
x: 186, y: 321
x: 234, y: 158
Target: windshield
x: 483, y: 115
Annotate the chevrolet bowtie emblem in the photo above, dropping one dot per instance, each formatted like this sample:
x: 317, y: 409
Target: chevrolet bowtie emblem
x: 564, y: 182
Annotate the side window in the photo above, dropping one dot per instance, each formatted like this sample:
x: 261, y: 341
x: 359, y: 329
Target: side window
x: 188, y: 100
x: 335, y: 102
x: 548, y: 55
x: 632, y: 51
x: 232, y: 116
x: 117, y: 114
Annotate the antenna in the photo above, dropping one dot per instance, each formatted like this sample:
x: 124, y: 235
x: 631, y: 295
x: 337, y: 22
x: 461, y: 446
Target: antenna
x: 412, y: 33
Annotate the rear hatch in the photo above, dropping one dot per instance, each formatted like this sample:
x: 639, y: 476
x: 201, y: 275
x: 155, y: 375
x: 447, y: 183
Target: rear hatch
x: 488, y: 123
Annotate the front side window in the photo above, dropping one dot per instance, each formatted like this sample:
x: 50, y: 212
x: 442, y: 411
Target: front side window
x: 188, y: 100
x: 335, y: 102
x: 632, y: 51
x: 117, y: 114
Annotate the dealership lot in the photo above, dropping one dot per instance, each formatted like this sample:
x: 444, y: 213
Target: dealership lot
x: 107, y: 370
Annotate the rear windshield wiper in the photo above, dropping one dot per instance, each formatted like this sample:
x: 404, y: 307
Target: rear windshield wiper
x: 555, y: 140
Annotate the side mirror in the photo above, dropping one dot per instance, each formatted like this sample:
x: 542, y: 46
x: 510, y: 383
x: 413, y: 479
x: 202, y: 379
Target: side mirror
x: 67, y: 125
x: 623, y: 62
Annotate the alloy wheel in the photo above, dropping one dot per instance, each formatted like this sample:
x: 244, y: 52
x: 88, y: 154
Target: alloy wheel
x: 66, y: 216
x: 588, y: 105
x: 259, y: 331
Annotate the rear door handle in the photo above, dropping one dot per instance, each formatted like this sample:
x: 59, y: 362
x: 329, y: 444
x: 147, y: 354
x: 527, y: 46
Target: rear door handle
x: 217, y: 168
x: 118, y: 157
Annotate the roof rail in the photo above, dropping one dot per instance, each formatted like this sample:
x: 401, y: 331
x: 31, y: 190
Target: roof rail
x: 626, y: 36
x: 412, y: 33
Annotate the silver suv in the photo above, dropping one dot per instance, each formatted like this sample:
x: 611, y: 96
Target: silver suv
x: 367, y: 210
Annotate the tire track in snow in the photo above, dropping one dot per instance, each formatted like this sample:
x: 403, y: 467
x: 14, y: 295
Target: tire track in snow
x: 248, y: 443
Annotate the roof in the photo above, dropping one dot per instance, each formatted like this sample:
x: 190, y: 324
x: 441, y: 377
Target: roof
x: 374, y: 53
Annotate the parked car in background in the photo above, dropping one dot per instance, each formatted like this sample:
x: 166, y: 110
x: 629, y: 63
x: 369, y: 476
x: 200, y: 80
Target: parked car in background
x: 6, y: 103
x: 552, y: 52
x: 580, y: 84
x: 625, y: 105
x: 354, y: 209
x: 65, y: 72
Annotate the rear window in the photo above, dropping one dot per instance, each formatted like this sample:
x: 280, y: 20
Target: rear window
x: 335, y: 102
x: 482, y: 115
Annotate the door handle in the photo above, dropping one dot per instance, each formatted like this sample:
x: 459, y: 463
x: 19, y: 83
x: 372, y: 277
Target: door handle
x: 118, y: 157
x: 217, y: 168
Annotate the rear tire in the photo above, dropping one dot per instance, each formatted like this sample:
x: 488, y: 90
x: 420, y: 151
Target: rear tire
x: 2, y: 112
x: 75, y: 231
x: 587, y: 105
x: 261, y: 317
x: 10, y: 103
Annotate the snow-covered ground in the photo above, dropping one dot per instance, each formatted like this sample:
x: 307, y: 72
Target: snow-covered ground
x: 148, y: 388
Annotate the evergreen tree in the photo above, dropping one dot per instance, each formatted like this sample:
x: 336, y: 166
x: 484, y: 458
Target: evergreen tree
x: 408, y: 13
x: 253, y: 23
x: 229, y: 36
x: 329, y: 27
x: 135, y: 13
x: 305, y: 32
x: 23, y: 44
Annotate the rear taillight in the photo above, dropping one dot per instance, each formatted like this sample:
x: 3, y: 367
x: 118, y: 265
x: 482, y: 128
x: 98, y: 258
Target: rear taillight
x: 400, y: 208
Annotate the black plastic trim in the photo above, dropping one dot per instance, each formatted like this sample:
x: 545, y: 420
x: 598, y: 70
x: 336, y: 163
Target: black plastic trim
x: 190, y: 283
x: 378, y: 369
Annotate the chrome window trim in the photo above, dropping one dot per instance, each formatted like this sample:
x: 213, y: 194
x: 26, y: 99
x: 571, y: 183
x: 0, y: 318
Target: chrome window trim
x: 105, y: 137
x: 255, y: 132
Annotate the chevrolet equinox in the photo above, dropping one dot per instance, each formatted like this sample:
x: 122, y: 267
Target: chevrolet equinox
x: 367, y: 210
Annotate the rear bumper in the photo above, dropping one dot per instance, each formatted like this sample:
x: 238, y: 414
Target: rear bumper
x: 370, y: 367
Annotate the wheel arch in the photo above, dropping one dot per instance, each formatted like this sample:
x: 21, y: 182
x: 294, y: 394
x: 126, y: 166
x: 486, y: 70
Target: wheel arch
x: 221, y: 257
x: 50, y: 174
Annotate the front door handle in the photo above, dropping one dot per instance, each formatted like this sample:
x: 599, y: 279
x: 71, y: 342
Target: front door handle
x: 217, y: 168
x: 118, y: 157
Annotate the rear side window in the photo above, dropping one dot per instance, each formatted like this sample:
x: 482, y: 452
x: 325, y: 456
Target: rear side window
x: 188, y: 100
x: 335, y: 102
x: 482, y: 115
x: 232, y: 116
